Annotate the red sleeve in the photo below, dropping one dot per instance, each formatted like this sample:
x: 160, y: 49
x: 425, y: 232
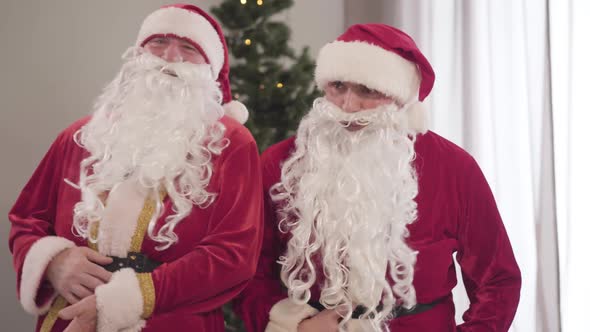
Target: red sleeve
x: 265, y: 290
x: 490, y: 272
x: 33, y: 215
x: 225, y: 260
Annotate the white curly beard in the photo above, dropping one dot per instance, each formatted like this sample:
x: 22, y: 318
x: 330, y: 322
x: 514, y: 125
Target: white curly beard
x: 158, y: 123
x: 346, y: 196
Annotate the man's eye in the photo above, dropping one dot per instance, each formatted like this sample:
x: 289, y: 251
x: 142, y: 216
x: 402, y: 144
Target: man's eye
x: 189, y: 48
x: 158, y: 41
x: 365, y: 90
x: 370, y: 92
x: 337, y: 85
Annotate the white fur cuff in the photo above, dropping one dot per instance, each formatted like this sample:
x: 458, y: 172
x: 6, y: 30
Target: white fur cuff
x: 36, y: 262
x: 119, y: 303
x: 286, y: 315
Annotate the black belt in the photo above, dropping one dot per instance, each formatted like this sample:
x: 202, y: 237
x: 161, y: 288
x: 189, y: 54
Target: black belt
x: 397, y: 311
x: 139, y: 262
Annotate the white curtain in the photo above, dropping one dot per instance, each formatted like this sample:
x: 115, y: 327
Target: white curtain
x: 491, y: 97
x: 570, y: 71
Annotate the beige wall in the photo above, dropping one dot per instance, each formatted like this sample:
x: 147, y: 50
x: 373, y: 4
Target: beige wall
x: 54, y: 58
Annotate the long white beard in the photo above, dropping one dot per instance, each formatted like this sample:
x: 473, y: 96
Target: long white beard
x: 157, y: 129
x: 346, y: 198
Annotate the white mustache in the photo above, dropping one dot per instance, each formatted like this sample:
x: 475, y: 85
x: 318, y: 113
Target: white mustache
x: 331, y: 112
x: 140, y: 58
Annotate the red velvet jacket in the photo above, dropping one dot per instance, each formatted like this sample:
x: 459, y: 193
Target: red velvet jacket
x: 456, y: 213
x: 213, y: 260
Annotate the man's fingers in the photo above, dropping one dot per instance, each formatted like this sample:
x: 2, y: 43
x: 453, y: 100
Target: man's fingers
x: 74, y: 326
x: 98, y: 272
x: 82, y: 314
x: 70, y: 312
x: 81, y: 291
x: 334, y: 314
x: 325, y: 321
x: 71, y: 298
x: 330, y: 314
x: 97, y: 257
x: 90, y: 281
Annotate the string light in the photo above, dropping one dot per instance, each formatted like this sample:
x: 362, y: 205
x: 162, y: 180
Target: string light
x: 259, y: 2
x: 243, y: 2
x: 247, y: 42
x: 280, y: 85
x: 261, y: 86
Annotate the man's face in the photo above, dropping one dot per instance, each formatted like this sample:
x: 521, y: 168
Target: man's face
x: 174, y: 49
x: 354, y: 97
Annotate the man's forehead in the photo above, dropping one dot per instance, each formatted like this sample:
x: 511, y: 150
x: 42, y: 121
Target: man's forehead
x: 357, y: 86
x: 181, y: 40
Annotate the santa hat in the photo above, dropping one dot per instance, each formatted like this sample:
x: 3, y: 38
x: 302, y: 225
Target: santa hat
x: 194, y: 25
x: 382, y: 58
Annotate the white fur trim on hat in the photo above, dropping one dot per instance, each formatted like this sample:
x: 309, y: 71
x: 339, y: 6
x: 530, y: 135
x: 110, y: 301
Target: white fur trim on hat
x: 187, y: 24
x: 236, y: 110
x: 286, y: 315
x: 370, y: 65
x: 38, y: 258
x: 119, y: 303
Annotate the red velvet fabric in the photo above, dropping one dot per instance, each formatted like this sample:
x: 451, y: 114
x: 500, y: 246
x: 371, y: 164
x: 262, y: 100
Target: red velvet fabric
x: 457, y: 213
x: 218, y: 246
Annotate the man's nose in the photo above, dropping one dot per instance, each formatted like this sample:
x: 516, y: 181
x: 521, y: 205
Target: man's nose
x: 351, y: 103
x: 172, y: 54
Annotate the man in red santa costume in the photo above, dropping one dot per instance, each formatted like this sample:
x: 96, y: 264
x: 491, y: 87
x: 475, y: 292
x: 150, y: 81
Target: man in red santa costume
x: 146, y: 215
x: 365, y: 208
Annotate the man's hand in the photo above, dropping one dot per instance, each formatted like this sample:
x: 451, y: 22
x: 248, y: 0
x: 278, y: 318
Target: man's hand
x: 325, y: 321
x: 82, y: 315
x: 75, y: 273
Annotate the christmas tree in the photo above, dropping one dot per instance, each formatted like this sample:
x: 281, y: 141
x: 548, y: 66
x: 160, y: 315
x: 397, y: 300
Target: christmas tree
x: 269, y: 77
